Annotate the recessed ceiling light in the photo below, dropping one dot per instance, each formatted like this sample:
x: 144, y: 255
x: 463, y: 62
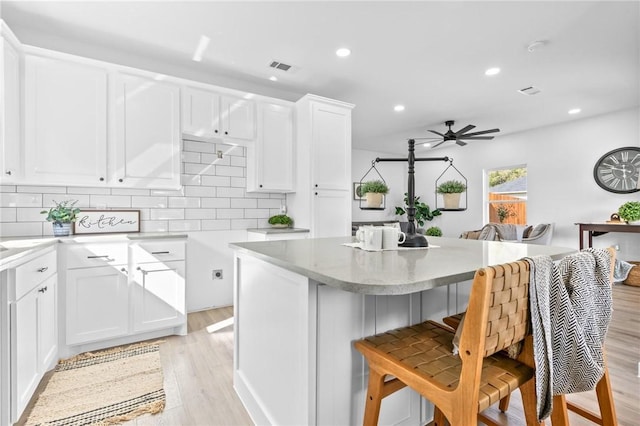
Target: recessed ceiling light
x: 273, y: 78
x: 492, y: 71
x: 398, y: 108
x: 343, y: 52
x: 574, y: 111
x: 202, y: 46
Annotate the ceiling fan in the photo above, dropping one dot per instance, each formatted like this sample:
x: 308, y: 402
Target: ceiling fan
x: 460, y: 136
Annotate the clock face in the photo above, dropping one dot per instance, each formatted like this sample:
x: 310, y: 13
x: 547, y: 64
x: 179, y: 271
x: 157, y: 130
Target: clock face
x: 618, y: 170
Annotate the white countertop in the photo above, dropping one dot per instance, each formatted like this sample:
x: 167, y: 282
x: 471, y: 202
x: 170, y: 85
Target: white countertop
x: 327, y: 261
x: 13, y: 249
x: 277, y: 230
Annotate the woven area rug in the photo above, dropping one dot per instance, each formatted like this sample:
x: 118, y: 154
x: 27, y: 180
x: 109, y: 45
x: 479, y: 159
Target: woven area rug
x: 102, y: 388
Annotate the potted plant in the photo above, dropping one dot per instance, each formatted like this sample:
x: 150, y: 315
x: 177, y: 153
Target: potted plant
x: 434, y: 231
x: 630, y: 211
x: 62, y: 216
x: 280, y: 221
x: 423, y: 211
x: 373, y: 191
x: 504, y: 211
x: 451, y: 190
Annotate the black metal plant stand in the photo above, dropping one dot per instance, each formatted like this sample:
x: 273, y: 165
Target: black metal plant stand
x: 413, y: 239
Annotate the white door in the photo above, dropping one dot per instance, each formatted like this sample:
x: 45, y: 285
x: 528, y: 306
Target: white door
x: 238, y: 118
x: 24, y: 344
x: 159, y: 295
x: 47, y: 323
x: 200, y: 112
x: 331, y: 213
x: 331, y: 147
x: 146, y: 150
x: 97, y: 304
x: 273, y: 151
x: 10, y: 138
x: 65, y: 122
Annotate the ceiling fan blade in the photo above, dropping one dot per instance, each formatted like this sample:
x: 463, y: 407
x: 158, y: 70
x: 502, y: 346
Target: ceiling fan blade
x: 438, y: 144
x: 437, y: 133
x: 460, y: 142
x: 476, y: 138
x: 427, y: 139
x: 482, y: 132
x: 465, y: 129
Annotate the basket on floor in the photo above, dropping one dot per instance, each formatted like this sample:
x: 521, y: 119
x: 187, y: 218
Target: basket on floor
x: 634, y: 275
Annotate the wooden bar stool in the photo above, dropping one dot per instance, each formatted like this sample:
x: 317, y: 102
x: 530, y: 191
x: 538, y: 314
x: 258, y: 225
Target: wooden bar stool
x: 420, y: 356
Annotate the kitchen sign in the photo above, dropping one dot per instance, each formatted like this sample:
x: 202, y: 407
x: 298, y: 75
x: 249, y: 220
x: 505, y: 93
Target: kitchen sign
x: 107, y: 221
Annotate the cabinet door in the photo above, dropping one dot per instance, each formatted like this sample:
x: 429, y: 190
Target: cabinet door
x: 146, y: 150
x: 47, y: 323
x: 24, y: 348
x: 200, y: 112
x: 65, y: 122
x: 270, y: 163
x: 238, y: 118
x: 331, y: 214
x: 159, y: 295
x: 331, y: 146
x: 97, y: 304
x: 10, y: 140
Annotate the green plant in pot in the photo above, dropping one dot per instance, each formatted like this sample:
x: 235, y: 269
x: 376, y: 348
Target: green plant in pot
x: 374, y: 191
x: 423, y: 211
x: 280, y: 221
x: 630, y: 211
x: 451, y: 190
x: 434, y: 231
x: 62, y: 216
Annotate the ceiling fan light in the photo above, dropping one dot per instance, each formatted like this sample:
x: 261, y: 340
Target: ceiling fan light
x: 398, y: 108
x: 574, y: 111
x: 343, y: 52
x: 492, y: 71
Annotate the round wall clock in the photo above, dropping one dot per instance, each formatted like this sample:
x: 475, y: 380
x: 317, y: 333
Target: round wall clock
x: 618, y: 170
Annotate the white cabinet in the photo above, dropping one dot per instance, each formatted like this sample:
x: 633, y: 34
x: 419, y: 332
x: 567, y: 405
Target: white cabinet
x: 65, y: 122
x: 33, y: 330
x: 209, y: 114
x: 158, y: 281
x: 270, y: 162
x: 146, y: 145
x: 10, y: 133
x: 323, y: 167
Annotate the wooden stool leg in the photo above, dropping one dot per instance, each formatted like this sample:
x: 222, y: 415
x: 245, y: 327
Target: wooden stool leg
x: 438, y: 417
x: 529, y: 403
x: 605, y: 400
x: 559, y: 415
x: 374, y: 398
x: 504, y: 403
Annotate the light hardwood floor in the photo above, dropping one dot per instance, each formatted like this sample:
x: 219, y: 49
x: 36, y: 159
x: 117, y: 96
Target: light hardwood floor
x: 198, y: 372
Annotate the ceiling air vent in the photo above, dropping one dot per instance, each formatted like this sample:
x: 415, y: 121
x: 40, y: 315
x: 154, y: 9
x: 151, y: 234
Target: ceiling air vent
x: 529, y: 91
x: 279, y: 66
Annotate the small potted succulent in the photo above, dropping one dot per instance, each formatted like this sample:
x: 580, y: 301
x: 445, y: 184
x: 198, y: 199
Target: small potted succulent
x: 280, y: 221
x: 62, y: 216
x: 434, y: 231
x: 451, y: 190
x: 374, y: 191
x: 630, y: 212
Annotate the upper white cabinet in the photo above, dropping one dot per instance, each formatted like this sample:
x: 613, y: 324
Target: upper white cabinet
x: 322, y: 201
x: 65, y: 122
x: 209, y: 114
x: 146, y: 147
x: 270, y: 163
x: 10, y: 133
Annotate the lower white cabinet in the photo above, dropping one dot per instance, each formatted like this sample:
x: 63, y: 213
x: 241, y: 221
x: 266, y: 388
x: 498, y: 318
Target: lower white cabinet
x: 328, y: 218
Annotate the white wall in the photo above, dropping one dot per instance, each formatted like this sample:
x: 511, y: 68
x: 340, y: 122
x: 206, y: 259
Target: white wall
x: 561, y: 188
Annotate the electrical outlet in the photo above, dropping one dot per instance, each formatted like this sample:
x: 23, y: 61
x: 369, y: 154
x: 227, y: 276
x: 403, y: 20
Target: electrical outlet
x: 217, y: 274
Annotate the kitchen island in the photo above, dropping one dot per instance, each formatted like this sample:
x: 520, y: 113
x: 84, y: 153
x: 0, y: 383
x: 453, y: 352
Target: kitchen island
x: 299, y: 305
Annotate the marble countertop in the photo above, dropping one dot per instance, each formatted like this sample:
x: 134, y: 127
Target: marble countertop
x: 277, y: 230
x: 447, y: 261
x: 14, y: 249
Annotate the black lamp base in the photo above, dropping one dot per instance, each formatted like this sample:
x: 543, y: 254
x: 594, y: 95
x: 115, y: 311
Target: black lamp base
x: 415, y: 240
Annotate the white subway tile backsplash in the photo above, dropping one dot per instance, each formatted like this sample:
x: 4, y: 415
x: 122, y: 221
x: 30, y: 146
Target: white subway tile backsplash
x: 7, y: 188
x: 30, y: 214
x: 157, y: 202
x: 167, y: 192
x: 244, y: 203
x: 188, y: 180
x: 200, y: 169
x: 199, y: 191
x: 213, y: 159
x: 110, y: 201
x: 195, y: 146
x: 199, y: 213
x: 230, y: 171
x: 244, y: 223
x: 216, y: 225
x: 217, y: 203
x: 270, y: 203
x: 216, y: 181
x: 7, y: 214
x: 230, y: 192
x: 13, y: 199
x: 229, y: 213
x: 166, y: 214
x: 238, y: 182
x: 20, y: 229
x: 41, y: 189
x: 184, y: 225
x: 183, y: 202
x: 190, y: 157
x: 82, y: 200
x: 130, y: 191
x: 256, y: 213
x: 154, y: 226
x: 238, y: 161
x: 90, y: 191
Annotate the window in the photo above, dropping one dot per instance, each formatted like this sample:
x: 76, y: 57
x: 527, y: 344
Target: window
x: 507, y: 195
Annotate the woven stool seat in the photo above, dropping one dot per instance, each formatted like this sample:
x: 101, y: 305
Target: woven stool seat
x: 426, y: 348
x: 453, y: 321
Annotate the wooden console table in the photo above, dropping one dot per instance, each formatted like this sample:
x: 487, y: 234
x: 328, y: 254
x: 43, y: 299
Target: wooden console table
x: 593, y: 228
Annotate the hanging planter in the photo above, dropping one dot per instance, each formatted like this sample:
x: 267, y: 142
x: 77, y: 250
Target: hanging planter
x: 371, y: 193
x: 451, y: 187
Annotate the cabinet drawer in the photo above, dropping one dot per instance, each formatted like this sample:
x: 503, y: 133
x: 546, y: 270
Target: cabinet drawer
x: 34, y: 272
x: 158, y: 251
x: 96, y: 254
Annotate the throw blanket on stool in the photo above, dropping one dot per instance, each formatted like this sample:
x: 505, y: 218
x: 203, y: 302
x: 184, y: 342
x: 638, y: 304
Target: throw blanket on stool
x: 570, y: 312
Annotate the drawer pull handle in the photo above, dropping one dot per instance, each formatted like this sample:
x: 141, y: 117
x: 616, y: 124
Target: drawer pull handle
x: 123, y: 270
x: 105, y: 257
x: 160, y: 252
x: 42, y: 290
x: 43, y: 269
x: 153, y: 270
